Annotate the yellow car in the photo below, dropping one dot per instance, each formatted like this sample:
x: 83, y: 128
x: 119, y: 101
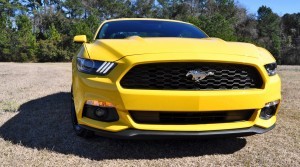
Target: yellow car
x: 155, y: 78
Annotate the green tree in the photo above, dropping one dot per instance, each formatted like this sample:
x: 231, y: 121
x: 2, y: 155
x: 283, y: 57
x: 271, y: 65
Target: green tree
x: 8, y: 9
x: 143, y: 8
x: 35, y: 30
x: 215, y: 26
x: 290, y: 24
x: 291, y: 27
x: 246, y: 30
x: 269, y: 30
x: 24, y: 40
x: 5, y: 38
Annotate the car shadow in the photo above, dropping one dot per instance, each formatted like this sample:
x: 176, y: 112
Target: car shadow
x: 45, y: 123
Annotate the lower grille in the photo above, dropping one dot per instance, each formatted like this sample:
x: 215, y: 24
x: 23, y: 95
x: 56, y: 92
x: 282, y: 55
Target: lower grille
x: 173, y: 76
x: 157, y: 117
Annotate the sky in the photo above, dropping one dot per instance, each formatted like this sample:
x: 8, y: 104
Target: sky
x: 280, y: 7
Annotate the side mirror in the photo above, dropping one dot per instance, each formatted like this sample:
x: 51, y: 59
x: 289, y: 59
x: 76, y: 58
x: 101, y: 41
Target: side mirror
x: 80, y: 39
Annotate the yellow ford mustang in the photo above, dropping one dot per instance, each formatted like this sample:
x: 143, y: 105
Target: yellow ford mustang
x: 152, y: 78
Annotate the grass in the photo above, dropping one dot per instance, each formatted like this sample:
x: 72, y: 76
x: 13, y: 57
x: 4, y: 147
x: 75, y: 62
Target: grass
x: 35, y: 129
x: 8, y: 106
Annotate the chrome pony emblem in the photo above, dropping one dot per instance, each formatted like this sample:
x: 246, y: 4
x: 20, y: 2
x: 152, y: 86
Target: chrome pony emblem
x: 198, y: 75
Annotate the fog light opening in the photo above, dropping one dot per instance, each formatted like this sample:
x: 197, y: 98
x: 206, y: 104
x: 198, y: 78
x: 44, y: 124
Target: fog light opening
x: 269, y: 110
x: 99, y: 112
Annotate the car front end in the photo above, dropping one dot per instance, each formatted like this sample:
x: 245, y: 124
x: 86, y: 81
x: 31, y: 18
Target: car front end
x: 181, y: 91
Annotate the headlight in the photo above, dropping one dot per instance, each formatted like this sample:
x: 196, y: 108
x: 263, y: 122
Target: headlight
x: 94, y: 67
x: 271, y: 68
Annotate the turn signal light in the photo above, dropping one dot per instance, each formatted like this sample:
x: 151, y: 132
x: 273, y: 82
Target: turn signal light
x: 99, y: 103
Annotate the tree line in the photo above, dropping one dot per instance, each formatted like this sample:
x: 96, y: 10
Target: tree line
x: 42, y: 30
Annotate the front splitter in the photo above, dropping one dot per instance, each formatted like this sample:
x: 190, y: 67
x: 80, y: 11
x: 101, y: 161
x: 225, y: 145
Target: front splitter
x: 147, y: 134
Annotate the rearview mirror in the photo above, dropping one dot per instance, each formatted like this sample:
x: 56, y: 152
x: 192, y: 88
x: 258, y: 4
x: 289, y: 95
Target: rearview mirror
x: 80, y: 39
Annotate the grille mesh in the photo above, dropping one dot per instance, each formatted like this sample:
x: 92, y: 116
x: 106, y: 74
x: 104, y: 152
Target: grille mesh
x: 172, y: 76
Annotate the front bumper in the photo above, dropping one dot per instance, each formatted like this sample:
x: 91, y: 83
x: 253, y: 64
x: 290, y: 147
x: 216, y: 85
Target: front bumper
x: 89, y: 87
x: 147, y: 134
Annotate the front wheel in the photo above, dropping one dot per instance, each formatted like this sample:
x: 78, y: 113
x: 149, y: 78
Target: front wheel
x: 77, y: 128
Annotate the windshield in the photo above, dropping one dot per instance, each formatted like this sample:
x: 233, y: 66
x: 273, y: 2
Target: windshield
x: 148, y: 28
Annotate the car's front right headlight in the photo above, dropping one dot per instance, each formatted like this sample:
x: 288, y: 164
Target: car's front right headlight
x: 94, y: 66
x: 271, y: 68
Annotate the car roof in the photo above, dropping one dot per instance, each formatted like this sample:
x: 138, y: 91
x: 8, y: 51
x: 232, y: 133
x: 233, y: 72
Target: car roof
x: 153, y: 19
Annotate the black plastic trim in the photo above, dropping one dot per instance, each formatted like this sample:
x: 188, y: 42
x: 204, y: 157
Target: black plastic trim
x: 145, y: 134
x: 110, y: 116
x: 172, y: 76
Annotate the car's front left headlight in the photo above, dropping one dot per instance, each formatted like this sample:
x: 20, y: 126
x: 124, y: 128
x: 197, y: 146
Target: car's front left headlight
x: 271, y: 68
x: 94, y: 66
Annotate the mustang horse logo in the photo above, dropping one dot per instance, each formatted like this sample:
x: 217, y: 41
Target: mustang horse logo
x: 198, y: 75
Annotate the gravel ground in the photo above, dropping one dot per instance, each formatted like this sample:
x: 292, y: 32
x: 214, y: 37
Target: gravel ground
x: 35, y: 129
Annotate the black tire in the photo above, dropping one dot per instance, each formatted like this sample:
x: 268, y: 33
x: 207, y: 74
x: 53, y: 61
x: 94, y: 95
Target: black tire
x: 78, y: 129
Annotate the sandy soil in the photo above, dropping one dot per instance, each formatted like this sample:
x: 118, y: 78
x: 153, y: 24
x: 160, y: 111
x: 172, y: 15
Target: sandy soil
x: 35, y: 129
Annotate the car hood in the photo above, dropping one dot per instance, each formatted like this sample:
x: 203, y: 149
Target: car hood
x: 114, y: 49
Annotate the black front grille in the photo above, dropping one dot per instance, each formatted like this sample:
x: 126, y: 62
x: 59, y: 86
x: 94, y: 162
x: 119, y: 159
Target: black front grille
x: 160, y: 117
x: 172, y: 76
